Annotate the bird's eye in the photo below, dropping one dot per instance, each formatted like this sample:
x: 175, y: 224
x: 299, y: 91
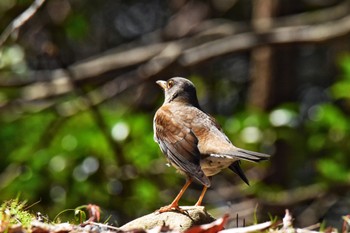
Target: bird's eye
x: 170, y: 84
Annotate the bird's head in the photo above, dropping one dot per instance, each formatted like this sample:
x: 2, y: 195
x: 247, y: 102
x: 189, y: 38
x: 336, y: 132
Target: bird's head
x: 179, y: 89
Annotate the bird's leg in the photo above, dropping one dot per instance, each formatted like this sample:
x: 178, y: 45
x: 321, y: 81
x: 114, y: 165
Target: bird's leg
x: 200, y: 199
x: 175, y: 204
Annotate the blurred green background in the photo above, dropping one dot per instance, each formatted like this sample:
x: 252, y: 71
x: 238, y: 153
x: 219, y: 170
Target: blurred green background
x: 78, y: 95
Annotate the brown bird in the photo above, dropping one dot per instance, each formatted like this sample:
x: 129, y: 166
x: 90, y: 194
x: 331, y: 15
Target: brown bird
x: 192, y: 140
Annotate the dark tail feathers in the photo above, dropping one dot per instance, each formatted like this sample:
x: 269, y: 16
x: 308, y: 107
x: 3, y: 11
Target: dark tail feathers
x: 236, y: 168
x: 250, y: 155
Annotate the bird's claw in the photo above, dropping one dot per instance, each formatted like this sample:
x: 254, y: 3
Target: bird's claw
x: 169, y: 208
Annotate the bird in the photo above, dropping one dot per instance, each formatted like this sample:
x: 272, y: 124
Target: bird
x: 192, y: 140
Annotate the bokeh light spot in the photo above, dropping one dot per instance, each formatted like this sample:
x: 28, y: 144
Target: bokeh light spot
x: 315, y: 113
x: 232, y: 125
x: 114, y: 187
x: 69, y: 142
x: 79, y: 174
x: 281, y: 117
x: 90, y: 165
x: 11, y: 55
x: 120, y: 131
x: 251, y: 134
x: 57, y: 163
x: 58, y: 194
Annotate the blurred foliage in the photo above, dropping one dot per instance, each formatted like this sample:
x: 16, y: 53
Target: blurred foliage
x: 76, y: 165
x: 77, y: 162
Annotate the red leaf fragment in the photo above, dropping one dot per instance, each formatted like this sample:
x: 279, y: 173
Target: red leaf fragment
x: 94, y: 212
x: 213, y: 227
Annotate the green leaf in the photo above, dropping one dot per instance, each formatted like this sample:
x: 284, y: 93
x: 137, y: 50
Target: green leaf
x: 77, y: 27
x: 333, y: 170
x: 332, y: 117
x: 344, y: 64
x: 341, y: 89
x: 79, y: 215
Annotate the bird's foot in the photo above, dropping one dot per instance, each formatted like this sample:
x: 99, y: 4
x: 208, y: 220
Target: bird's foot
x: 171, y: 207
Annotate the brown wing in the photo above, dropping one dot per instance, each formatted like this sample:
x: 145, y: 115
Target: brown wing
x: 214, y: 141
x: 179, y: 144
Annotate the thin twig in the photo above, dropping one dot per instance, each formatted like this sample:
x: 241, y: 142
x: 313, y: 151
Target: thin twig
x: 253, y: 228
x: 104, y: 225
x: 20, y: 20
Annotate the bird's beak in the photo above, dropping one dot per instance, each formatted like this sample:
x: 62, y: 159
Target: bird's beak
x: 162, y: 84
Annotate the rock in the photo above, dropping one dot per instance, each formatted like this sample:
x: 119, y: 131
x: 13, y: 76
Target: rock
x: 196, y: 215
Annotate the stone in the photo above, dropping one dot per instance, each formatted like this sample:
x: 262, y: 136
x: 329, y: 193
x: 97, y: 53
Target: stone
x: 176, y: 221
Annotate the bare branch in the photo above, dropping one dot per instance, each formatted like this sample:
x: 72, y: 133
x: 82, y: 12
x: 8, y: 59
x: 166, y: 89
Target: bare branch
x: 115, y: 59
x: 315, y: 17
x: 213, y: 38
x: 57, y: 82
x: 122, y: 83
x: 20, y: 20
x: 36, y: 96
x: 280, y: 35
x: 145, y: 61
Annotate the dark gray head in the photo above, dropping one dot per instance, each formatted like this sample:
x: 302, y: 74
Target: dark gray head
x: 179, y: 89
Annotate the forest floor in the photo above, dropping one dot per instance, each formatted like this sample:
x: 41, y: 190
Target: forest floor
x: 14, y: 218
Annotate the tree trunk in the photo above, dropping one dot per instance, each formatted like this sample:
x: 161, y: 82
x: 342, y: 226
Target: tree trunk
x: 262, y: 57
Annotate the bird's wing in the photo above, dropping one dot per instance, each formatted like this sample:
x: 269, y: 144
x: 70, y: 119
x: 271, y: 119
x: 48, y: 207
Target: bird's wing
x: 179, y: 144
x: 219, y: 143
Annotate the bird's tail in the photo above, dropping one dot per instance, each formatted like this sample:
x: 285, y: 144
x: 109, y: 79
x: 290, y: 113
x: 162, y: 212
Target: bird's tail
x: 251, y: 156
x: 248, y: 155
x: 236, y: 168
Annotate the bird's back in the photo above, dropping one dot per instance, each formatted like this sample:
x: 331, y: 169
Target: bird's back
x: 211, y: 138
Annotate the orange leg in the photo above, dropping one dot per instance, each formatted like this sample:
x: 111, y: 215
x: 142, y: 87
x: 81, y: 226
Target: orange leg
x: 200, y: 199
x: 175, y: 204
